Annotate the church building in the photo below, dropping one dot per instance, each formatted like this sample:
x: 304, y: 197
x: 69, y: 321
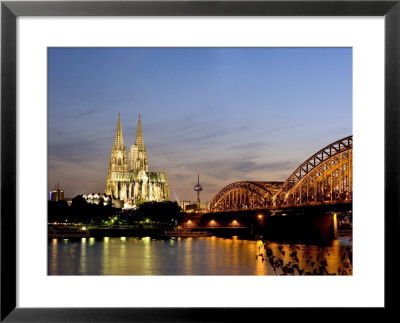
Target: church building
x: 129, y: 181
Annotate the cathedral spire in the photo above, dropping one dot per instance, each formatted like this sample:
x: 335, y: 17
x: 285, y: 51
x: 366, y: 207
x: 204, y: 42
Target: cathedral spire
x: 139, y: 136
x: 119, y: 140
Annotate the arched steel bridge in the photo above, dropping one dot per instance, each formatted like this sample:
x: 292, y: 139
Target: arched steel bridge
x: 324, y: 178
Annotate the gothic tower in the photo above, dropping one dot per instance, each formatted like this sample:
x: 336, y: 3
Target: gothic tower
x: 117, y: 166
x: 129, y: 186
x: 138, y: 154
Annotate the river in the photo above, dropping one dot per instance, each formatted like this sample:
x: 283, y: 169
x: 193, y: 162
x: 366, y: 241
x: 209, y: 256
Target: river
x: 184, y: 256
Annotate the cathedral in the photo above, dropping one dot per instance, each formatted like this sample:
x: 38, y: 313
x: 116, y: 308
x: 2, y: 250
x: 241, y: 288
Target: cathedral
x: 129, y: 181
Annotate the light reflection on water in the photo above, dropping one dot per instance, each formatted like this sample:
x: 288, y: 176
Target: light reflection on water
x: 179, y: 256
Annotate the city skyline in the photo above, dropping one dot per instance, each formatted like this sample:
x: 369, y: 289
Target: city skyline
x: 230, y: 114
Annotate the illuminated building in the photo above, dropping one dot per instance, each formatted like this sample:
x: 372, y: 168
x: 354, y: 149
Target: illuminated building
x: 130, y: 181
x: 97, y: 198
x: 193, y: 206
x: 57, y: 194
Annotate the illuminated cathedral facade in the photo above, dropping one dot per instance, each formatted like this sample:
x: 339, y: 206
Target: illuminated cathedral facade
x: 129, y: 180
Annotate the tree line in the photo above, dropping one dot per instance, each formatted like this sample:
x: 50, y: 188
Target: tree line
x: 160, y: 213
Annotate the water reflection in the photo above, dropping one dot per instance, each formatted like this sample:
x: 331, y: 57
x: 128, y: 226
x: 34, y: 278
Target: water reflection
x: 261, y: 268
x: 188, y: 256
x: 146, y: 258
x: 91, y: 241
x: 308, y: 259
x: 105, y: 256
x: 53, y: 260
x: 82, y: 269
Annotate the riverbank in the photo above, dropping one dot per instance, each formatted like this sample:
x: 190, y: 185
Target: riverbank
x: 154, y: 232
x: 125, y: 232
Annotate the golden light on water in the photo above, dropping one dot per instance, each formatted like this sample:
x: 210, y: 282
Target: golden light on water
x: 190, y: 256
x: 261, y: 266
x: 335, y: 224
x: 146, y: 239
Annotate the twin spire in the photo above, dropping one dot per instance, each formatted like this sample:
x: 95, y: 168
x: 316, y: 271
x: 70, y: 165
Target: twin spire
x: 119, y: 139
x: 139, y: 136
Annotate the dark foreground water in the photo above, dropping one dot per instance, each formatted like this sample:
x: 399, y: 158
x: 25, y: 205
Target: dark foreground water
x: 183, y: 256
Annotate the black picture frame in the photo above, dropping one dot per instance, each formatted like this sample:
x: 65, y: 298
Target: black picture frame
x: 10, y: 10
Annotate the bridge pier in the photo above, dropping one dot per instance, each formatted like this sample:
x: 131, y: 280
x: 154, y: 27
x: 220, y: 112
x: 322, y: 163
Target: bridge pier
x: 301, y: 227
x: 326, y: 224
x: 296, y: 224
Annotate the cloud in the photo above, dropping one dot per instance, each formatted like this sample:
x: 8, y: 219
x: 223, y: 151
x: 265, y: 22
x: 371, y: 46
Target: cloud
x: 251, y: 146
x: 85, y: 113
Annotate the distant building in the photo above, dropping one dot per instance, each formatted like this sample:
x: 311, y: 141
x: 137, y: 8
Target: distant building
x: 97, y: 198
x: 57, y: 194
x: 192, y: 206
x: 129, y: 183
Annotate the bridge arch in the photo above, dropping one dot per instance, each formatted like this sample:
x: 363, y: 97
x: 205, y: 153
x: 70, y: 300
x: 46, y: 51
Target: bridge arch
x: 244, y: 195
x: 324, y: 177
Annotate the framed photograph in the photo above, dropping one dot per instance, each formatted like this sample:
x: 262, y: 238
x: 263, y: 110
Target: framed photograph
x: 191, y: 160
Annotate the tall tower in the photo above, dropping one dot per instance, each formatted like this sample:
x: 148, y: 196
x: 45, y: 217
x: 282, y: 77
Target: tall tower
x: 198, y: 188
x: 57, y: 194
x: 138, y: 154
x: 118, y: 164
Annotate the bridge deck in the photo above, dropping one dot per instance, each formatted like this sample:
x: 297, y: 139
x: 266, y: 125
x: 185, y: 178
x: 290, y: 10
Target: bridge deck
x: 288, y: 206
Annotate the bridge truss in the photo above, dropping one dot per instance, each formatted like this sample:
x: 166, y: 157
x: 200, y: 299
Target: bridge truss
x: 325, y: 177
x: 244, y: 195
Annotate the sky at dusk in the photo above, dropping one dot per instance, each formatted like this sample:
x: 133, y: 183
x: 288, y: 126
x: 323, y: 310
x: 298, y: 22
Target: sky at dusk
x: 231, y: 114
